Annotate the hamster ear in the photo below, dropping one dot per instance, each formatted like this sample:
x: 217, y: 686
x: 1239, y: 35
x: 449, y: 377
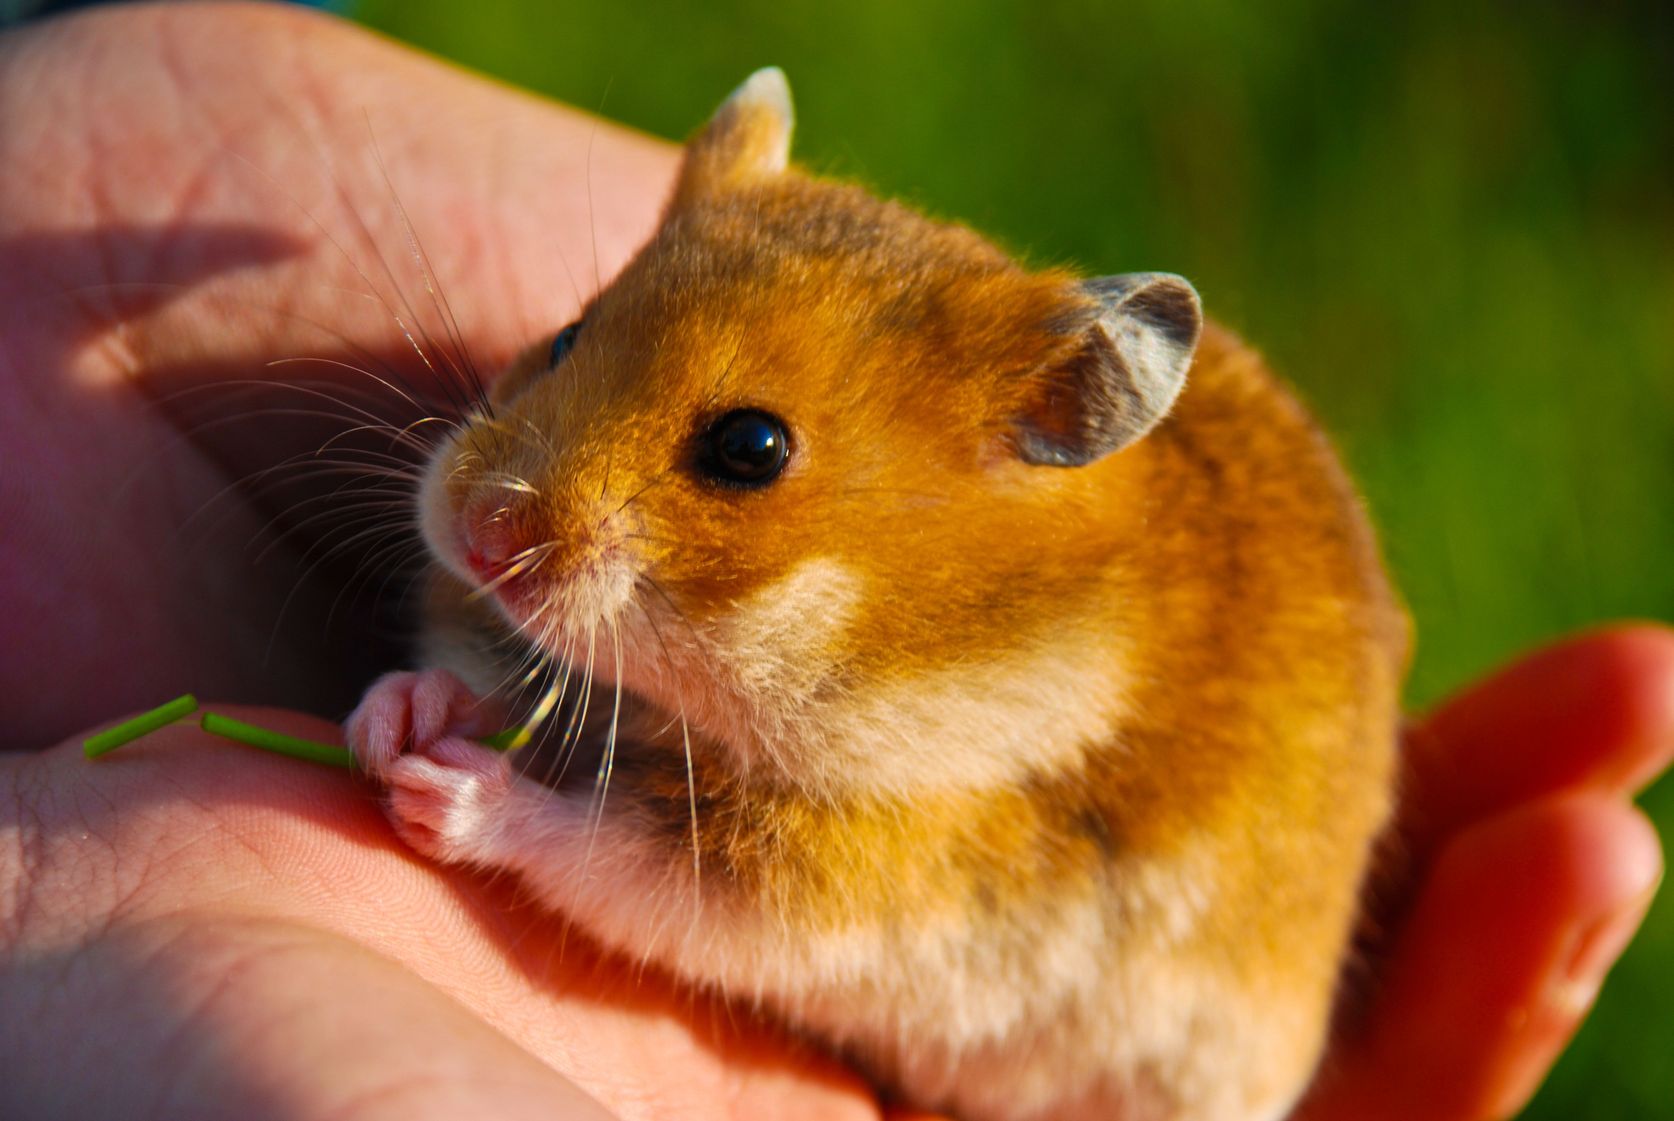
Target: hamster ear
x: 1123, y: 379
x: 748, y: 137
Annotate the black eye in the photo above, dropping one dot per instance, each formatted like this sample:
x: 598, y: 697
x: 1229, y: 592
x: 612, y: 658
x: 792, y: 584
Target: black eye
x: 563, y: 344
x: 746, y: 447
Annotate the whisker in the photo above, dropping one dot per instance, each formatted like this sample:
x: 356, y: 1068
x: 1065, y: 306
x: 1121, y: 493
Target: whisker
x: 507, y: 481
x: 407, y: 390
x: 601, y: 781
x: 353, y: 412
x: 534, y: 437
x: 371, y: 243
x: 352, y: 368
x: 691, y: 805
x: 656, y: 480
x: 528, y: 560
x: 578, y: 718
x: 691, y: 779
x: 439, y: 303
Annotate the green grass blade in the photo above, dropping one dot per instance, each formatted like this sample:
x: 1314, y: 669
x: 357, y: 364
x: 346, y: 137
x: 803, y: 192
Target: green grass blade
x: 142, y: 725
x: 295, y: 747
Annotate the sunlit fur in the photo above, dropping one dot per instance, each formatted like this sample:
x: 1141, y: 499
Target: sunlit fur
x: 1040, y: 792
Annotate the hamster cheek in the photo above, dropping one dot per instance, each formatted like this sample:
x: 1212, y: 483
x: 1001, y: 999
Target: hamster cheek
x: 785, y: 640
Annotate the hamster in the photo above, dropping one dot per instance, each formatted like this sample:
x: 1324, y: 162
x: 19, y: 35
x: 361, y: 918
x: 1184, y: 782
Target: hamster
x: 989, y: 673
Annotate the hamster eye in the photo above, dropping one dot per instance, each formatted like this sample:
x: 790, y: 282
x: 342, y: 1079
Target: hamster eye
x: 746, y: 447
x: 563, y: 343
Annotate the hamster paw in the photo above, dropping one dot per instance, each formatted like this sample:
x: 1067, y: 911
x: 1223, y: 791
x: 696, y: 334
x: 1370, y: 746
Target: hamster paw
x: 410, y: 712
x: 447, y: 802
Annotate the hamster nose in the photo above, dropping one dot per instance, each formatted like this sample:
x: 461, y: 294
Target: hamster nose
x: 492, y: 540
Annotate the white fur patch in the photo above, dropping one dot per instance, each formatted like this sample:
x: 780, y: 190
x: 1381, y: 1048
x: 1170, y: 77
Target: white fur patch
x: 768, y: 681
x: 783, y: 642
x: 977, y: 727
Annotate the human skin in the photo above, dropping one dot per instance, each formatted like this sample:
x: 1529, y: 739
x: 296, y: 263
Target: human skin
x: 189, y: 928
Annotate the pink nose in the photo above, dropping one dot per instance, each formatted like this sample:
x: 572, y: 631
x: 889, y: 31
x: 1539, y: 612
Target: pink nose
x: 492, y: 541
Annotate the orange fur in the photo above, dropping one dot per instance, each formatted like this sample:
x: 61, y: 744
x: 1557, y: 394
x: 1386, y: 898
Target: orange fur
x: 1216, y: 583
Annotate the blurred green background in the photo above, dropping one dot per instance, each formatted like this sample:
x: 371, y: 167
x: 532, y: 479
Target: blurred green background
x: 1451, y: 225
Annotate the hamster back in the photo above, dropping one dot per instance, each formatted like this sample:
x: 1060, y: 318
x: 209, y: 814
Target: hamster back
x: 990, y: 673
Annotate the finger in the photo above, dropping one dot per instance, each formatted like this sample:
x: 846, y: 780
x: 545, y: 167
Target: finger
x: 1595, y: 713
x: 1520, y: 919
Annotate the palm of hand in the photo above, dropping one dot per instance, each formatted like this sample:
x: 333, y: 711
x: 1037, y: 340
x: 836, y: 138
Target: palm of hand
x: 254, y: 932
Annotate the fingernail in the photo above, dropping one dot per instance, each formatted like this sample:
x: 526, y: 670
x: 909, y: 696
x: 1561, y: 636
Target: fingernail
x: 1594, y: 948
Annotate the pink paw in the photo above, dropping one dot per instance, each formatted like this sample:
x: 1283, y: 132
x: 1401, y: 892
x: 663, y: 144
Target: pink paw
x: 444, y: 791
x: 412, y: 712
x: 449, y: 802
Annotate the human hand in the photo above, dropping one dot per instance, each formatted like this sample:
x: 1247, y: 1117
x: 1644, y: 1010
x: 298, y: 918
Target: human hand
x: 1527, y: 871
x: 205, y: 929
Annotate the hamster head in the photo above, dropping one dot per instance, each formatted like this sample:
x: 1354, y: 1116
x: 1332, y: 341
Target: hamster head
x: 821, y: 475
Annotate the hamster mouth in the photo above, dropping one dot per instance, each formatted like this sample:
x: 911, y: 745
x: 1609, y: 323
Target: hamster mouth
x: 561, y: 609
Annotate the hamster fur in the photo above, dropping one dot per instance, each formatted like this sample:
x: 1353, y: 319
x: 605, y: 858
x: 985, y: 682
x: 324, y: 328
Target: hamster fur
x: 1021, y: 737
